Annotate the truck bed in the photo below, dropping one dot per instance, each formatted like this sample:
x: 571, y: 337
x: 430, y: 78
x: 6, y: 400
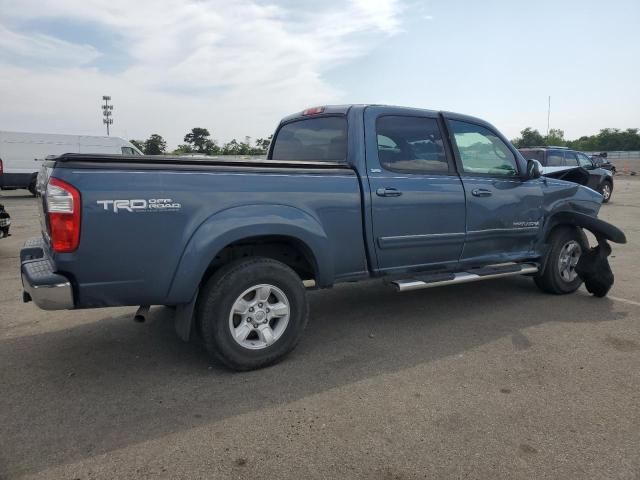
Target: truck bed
x: 157, y: 254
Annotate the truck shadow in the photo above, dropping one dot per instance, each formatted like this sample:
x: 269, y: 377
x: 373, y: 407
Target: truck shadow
x: 72, y: 394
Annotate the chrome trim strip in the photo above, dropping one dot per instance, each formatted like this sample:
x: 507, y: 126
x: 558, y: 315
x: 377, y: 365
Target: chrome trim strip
x: 399, y: 241
x: 513, y: 229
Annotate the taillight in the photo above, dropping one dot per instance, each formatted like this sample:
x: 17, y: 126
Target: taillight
x: 63, y: 210
x: 0, y: 166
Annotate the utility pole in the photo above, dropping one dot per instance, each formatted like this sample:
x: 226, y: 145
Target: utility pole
x: 548, y: 115
x: 107, y: 112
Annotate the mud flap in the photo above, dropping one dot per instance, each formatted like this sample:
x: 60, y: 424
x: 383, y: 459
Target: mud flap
x: 184, y: 319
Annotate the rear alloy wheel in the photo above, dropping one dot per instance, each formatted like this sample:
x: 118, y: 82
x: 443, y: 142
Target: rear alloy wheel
x: 252, y: 312
x: 259, y: 316
x: 606, y: 191
x: 559, y: 276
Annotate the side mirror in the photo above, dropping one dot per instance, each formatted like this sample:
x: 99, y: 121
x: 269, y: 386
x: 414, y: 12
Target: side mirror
x: 534, y: 169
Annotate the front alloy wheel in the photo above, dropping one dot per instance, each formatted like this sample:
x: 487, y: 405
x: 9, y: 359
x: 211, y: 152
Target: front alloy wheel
x: 558, y: 275
x: 568, y: 259
x: 606, y: 192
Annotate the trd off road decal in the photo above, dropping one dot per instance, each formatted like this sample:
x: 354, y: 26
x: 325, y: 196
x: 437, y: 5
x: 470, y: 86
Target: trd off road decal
x: 140, y: 205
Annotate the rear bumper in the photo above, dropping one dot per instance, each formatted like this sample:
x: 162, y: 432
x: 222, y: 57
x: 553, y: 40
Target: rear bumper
x: 47, y: 289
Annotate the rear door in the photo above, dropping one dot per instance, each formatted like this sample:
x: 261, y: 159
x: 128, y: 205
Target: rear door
x: 417, y: 199
x: 504, y: 210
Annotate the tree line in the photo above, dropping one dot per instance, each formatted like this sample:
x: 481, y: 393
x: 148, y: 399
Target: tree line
x: 608, y: 139
x: 199, y: 141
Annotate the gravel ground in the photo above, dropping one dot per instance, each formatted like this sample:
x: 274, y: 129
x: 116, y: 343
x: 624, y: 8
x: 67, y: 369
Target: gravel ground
x: 487, y: 380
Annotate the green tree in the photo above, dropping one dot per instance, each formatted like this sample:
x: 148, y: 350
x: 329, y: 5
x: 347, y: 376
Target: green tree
x: 555, y: 138
x: 232, y: 148
x: 200, y: 142
x: 155, y: 145
x: 262, y: 145
x: 139, y: 144
x: 182, y: 149
x: 529, y: 137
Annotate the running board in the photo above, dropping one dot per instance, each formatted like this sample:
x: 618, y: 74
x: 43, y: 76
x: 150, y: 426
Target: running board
x: 473, y: 275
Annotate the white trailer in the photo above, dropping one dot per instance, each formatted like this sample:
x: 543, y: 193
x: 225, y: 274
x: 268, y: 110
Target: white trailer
x: 21, y: 153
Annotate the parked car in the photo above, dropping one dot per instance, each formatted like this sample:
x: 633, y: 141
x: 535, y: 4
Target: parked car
x: 554, y: 159
x: 416, y: 197
x: 600, y: 161
x: 21, y: 153
x: 5, y: 222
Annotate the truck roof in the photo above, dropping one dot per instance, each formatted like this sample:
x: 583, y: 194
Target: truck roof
x: 344, y: 109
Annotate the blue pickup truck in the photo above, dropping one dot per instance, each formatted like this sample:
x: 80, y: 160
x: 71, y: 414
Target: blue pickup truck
x: 418, y: 198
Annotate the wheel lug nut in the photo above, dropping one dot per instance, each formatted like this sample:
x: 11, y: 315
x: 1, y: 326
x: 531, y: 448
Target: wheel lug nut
x: 249, y: 319
x: 251, y: 309
x: 268, y: 310
x: 260, y: 305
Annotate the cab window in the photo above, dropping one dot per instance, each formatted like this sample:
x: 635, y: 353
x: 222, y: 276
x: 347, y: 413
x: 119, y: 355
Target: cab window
x: 482, y: 151
x: 129, y: 151
x: 317, y: 139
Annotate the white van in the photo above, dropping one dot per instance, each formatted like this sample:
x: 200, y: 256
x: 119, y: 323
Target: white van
x: 21, y: 153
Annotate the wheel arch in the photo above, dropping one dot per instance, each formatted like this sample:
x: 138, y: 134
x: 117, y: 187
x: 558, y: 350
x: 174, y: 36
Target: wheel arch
x: 241, y: 229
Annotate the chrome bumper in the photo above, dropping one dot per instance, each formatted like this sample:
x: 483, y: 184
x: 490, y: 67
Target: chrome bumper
x: 47, y: 289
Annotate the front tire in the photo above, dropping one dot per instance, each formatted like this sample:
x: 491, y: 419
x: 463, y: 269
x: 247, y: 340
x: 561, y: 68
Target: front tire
x: 252, y: 313
x: 559, y: 277
x: 33, y: 188
x: 606, y: 190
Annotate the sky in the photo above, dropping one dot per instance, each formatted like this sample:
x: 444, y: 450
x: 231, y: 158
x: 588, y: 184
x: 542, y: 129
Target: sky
x: 237, y: 67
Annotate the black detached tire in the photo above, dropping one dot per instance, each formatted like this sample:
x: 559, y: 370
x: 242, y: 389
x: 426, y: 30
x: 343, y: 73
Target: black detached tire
x: 566, y: 244
x: 252, y: 313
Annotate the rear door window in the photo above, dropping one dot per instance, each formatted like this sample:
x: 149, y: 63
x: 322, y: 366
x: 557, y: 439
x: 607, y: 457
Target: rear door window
x: 314, y: 139
x: 411, y: 144
x: 555, y: 159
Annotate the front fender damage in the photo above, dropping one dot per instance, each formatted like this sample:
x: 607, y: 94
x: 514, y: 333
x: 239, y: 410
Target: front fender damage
x: 593, y: 266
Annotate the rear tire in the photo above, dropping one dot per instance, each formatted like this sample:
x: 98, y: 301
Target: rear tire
x: 566, y: 244
x: 252, y: 313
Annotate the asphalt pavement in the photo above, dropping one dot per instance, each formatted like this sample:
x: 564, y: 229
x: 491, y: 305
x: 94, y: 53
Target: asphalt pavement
x: 487, y: 380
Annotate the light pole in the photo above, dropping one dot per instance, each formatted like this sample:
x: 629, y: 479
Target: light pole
x: 107, y: 112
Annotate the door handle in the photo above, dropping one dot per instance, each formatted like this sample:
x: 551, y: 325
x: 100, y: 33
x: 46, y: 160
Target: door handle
x: 388, y: 192
x: 481, y: 192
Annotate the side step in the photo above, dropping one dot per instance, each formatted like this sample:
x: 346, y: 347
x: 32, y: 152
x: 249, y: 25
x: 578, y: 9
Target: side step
x: 473, y: 275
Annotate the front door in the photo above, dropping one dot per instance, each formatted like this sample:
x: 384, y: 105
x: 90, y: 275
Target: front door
x: 417, y: 199
x: 504, y: 209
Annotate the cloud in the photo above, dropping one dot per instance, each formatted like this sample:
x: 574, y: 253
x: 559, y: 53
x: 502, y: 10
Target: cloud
x: 234, y: 67
x: 42, y: 49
